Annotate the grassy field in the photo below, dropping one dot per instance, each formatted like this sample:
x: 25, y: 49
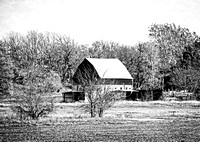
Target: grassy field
x: 125, y: 121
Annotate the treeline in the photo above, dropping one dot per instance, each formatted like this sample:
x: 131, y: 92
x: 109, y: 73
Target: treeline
x: 169, y: 60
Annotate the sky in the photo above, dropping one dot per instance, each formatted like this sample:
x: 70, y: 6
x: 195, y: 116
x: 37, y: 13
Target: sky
x: 123, y: 21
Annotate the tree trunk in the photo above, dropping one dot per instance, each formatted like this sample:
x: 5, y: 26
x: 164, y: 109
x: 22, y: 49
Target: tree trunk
x: 101, y: 112
x: 92, y: 110
x: 152, y: 95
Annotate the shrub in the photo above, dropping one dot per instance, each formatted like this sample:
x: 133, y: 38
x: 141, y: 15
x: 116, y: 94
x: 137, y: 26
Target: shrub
x: 34, y: 98
x: 32, y: 105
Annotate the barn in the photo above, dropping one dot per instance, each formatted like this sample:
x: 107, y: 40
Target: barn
x: 110, y: 71
x: 107, y: 72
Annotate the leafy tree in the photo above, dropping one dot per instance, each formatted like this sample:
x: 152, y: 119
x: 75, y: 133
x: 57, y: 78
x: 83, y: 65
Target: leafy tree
x: 6, y: 73
x: 153, y: 77
x: 139, y: 67
x: 186, y: 73
x: 172, y: 42
x: 186, y: 79
x: 145, y: 64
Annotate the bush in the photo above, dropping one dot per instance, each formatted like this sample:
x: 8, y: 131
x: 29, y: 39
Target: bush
x: 34, y: 98
x: 33, y: 106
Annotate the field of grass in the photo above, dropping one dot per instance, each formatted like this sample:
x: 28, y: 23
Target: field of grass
x: 125, y: 121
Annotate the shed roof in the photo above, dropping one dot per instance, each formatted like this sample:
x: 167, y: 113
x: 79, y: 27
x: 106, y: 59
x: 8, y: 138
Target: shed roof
x: 110, y: 68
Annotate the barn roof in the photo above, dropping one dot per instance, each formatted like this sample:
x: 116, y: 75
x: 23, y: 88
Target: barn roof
x: 110, y: 68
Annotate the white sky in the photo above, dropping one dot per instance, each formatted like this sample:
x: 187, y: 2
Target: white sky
x: 85, y: 21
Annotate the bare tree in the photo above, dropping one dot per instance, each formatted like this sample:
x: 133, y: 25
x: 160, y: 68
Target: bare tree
x: 98, y: 93
x: 100, y: 98
x: 105, y: 98
x: 88, y: 78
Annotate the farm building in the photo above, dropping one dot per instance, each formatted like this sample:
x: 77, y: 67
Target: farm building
x: 110, y: 73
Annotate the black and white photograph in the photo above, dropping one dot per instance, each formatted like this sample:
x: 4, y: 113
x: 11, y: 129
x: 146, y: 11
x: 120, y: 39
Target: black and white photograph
x: 100, y: 70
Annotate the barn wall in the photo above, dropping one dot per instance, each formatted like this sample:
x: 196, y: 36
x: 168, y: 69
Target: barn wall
x: 120, y: 87
x: 110, y: 87
x: 117, y: 81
